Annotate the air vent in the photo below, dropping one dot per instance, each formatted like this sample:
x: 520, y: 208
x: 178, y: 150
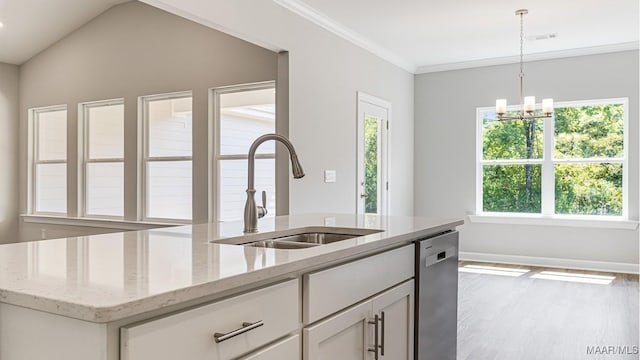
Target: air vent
x: 541, y: 37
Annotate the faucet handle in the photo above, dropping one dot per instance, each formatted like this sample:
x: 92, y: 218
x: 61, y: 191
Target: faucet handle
x: 262, y: 210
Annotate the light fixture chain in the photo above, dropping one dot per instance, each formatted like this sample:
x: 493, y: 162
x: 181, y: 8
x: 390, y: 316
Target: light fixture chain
x: 521, y: 44
x: 521, y: 62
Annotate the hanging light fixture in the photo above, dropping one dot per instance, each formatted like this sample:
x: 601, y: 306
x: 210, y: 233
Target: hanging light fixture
x: 527, y: 103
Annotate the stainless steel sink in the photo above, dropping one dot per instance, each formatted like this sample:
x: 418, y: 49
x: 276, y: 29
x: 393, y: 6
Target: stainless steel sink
x: 315, y: 238
x: 280, y: 244
x: 302, y: 238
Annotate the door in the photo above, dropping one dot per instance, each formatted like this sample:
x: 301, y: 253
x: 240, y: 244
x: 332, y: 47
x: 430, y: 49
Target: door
x: 345, y: 336
x: 395, y: 310
x: 372, y: 187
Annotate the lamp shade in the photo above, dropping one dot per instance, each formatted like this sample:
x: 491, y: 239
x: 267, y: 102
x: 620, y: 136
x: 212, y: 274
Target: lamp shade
x: 529, y: 103
x: 501, y: 106
x: 547, y: 106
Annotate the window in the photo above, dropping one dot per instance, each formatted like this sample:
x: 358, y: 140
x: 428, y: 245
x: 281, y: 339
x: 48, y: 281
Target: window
x: 572, y: 164
x: 104, y: 158
x: 243, y: 113
x: 167, y: 156
x: 49, y: 159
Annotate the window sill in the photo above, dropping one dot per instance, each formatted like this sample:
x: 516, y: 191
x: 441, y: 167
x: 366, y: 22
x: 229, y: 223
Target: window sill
x: 93, y: 222
x: 601, y: 222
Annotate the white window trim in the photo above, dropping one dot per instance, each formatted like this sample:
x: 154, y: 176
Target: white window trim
x: 33, y: 157
x: 142, y: 196
x: 548, y: 217
x: 585, y: 221
x: 214, y: 106
x: 85, y: 160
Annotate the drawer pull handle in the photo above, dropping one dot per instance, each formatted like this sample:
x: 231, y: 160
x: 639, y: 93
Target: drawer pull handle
x: 246, y: 326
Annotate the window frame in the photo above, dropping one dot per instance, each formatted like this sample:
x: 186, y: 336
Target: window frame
x: 217, y: 158
x: 83, y: 133
x: 35, y: 161
x: 548, y: 161
x: 143, y: 112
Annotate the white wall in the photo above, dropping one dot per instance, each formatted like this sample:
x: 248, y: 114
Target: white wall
x: 325, y: 72
x: 8, y: 152
x: 445, y: 145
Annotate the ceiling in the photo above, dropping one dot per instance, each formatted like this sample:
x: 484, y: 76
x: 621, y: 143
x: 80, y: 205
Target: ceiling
x: 417, y: 35
x: 431, y: 35
x: 31, y: 26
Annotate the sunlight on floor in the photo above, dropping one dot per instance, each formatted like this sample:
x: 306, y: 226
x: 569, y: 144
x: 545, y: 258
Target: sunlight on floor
x: 574, y: 277
x: 493, y: 270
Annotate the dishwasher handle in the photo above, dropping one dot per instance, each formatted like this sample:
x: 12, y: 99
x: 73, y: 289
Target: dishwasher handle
x: 440, y: 255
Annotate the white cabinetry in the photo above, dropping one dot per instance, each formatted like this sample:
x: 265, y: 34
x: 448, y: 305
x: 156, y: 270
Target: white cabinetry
x: 385, y: 321
x: 362, y: 309
x: 219, y: 331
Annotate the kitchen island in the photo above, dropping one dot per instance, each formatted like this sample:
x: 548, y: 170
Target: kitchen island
x: 130, y: 295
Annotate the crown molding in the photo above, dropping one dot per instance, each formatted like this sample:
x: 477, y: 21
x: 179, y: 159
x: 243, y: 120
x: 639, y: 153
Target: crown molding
x: 344, y: 32
x: 594, y: 50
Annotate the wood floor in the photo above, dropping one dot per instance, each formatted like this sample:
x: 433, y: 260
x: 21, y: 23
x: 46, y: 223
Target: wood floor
x: 528, y: 318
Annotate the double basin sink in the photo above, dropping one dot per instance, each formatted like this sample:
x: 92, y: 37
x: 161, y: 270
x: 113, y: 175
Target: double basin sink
x: 298, y: 238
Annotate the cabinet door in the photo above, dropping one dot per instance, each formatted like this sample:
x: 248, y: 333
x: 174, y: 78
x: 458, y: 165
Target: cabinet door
x: 288, y: 349
x: 345, y: 336
x: 396, y: 306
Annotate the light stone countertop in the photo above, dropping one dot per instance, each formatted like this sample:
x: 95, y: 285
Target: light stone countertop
x: 109, y: 277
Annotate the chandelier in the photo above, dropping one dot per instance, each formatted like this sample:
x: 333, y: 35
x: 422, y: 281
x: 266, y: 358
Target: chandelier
x: 527, y: 103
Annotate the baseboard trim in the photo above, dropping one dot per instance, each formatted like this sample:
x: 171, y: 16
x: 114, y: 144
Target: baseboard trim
x: 606, y: 266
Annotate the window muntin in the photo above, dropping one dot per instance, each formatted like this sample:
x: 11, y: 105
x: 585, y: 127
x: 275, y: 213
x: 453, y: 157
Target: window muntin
x: 167, y: 156
x: 572, y: 164
x: 244, y: 113
x: 104, y: 158
x: 49, y: 159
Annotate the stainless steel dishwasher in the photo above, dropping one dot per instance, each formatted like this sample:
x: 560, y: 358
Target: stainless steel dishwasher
x: 436, y: 297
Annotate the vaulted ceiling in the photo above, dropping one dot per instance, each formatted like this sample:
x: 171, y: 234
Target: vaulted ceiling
x: 31, y: 26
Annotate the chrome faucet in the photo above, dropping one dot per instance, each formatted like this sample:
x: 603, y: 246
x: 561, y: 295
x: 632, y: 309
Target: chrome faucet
x: 252, y: 211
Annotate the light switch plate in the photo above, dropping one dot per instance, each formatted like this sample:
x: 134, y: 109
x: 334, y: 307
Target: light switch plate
x: 329, y: 176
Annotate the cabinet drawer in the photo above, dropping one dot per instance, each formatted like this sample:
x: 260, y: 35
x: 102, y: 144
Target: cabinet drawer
x: 190, y: 334
x: 328, y: 291
x: 288, y: 349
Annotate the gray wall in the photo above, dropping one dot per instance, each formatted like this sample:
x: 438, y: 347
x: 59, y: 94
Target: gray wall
x: 8, y: 152
x: 325, y: 72
x: 131, y: 50
x: 445, y: 150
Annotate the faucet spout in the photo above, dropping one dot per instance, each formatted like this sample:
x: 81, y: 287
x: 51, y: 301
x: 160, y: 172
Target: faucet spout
x: 251, y: 210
